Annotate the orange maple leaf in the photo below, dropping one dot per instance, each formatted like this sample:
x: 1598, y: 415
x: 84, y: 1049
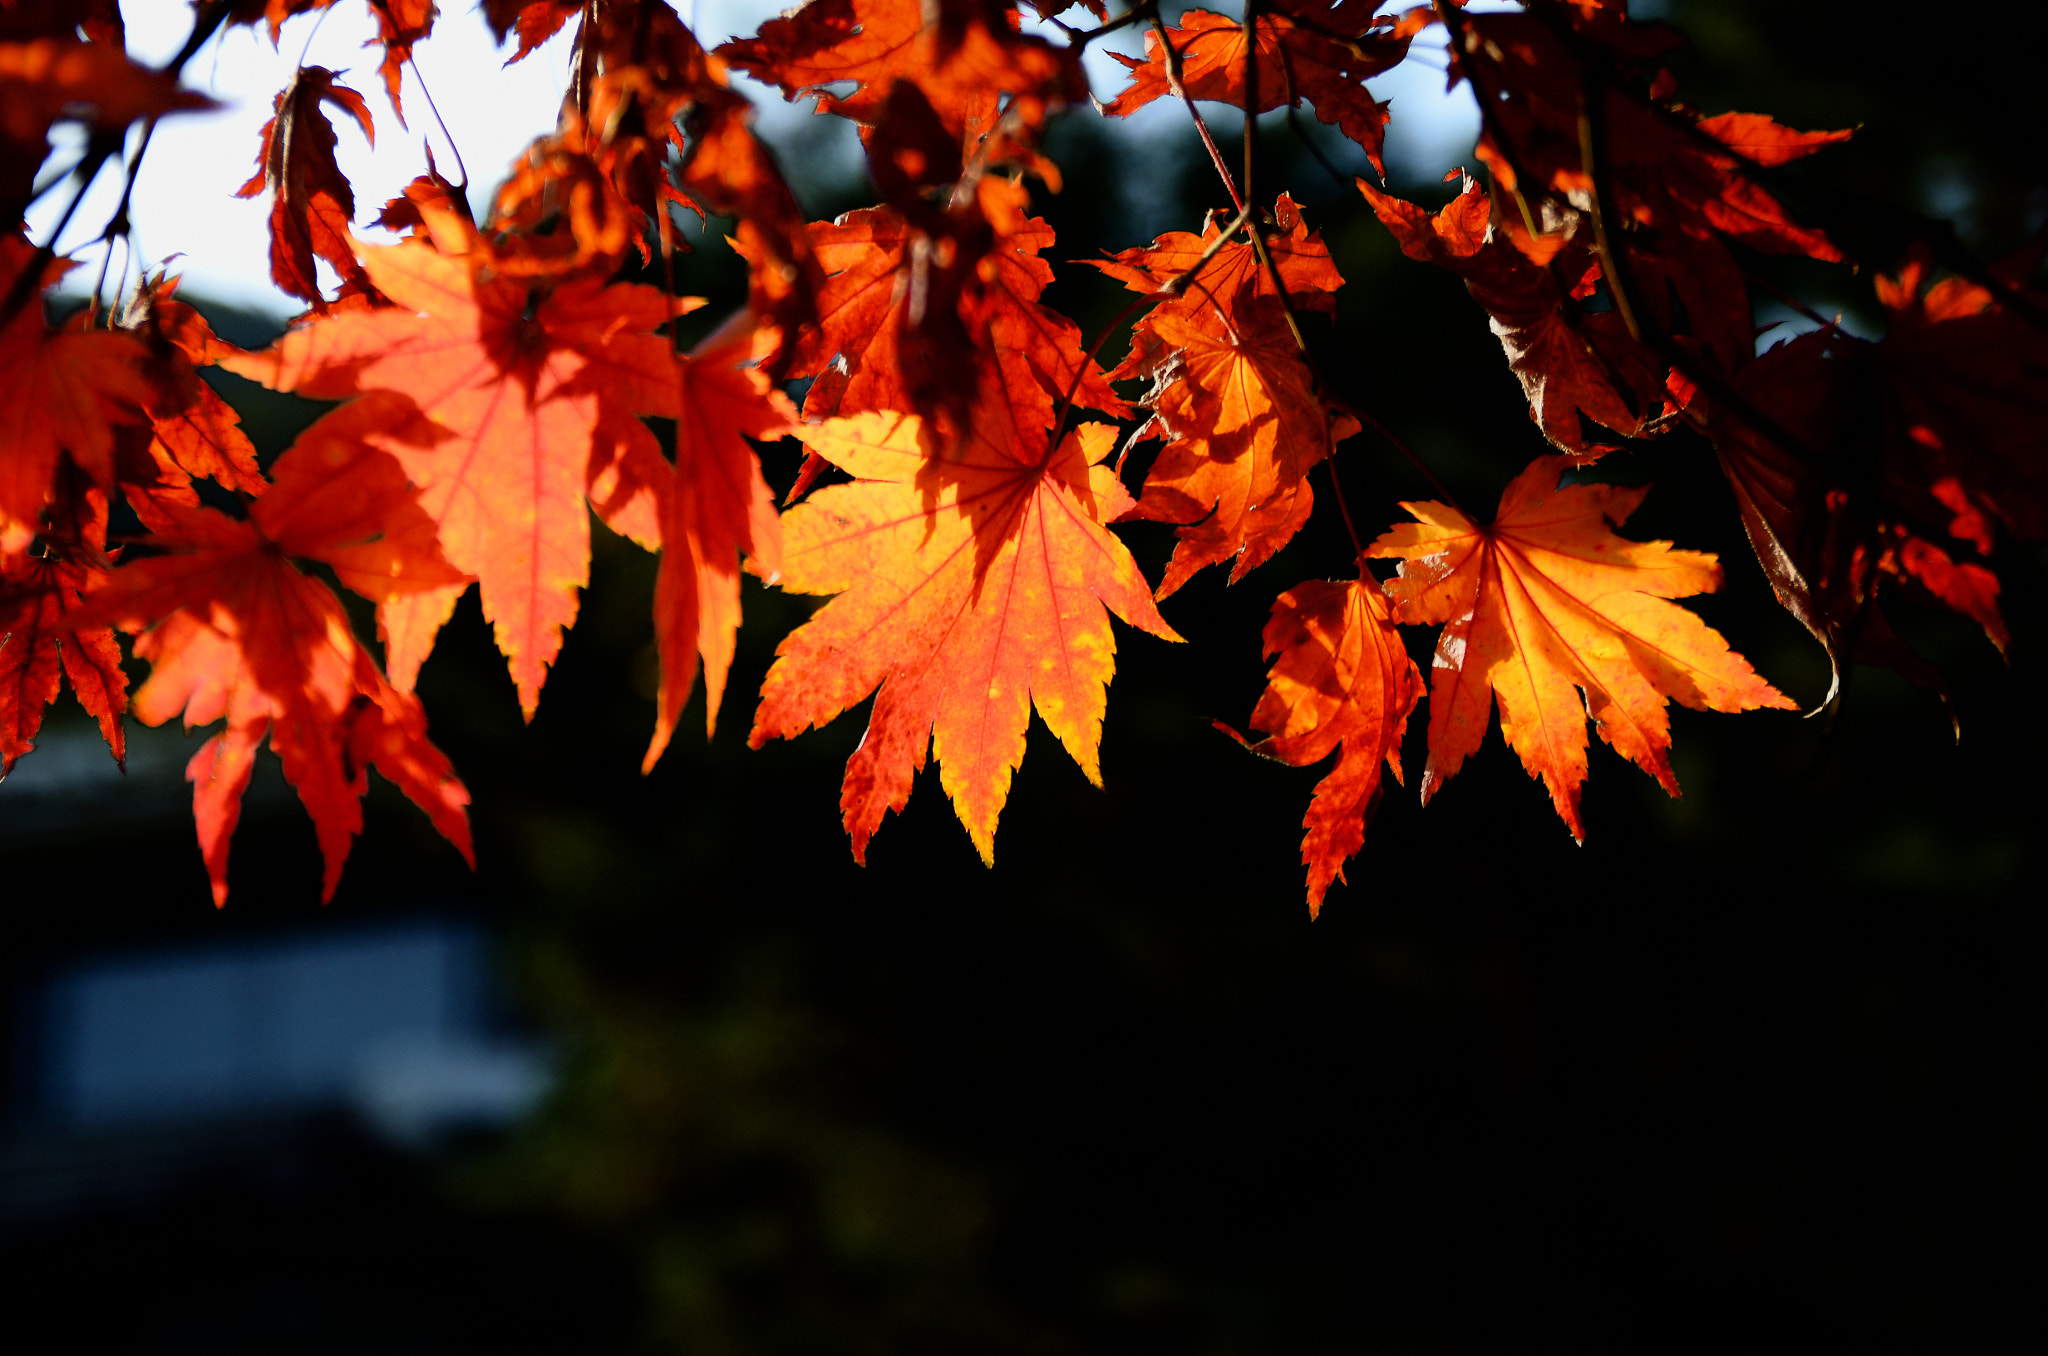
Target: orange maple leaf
x: 63, y: 390
x: 1299, y: 256
x: 965, y: 55
x: 972, y: 588
x: 1340, y: 676
x: 704, y: 512
x: 313, y: 206
x: 1545, y: 599
x: 1325, y: 58
x: 1245, y: 425
x: 521, y: 379
x: 879, y: 280
x: 1231, y: 393
x: 238, y: 632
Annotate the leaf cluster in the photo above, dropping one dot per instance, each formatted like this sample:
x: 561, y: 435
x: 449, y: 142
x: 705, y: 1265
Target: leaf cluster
x: 496, y: 375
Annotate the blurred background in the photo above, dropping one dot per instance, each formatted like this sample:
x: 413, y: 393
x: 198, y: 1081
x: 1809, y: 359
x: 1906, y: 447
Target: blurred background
x: 1754, y: 1068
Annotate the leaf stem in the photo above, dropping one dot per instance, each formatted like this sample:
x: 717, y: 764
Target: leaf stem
x: 1408, y: 454
x: 446, y: 135
x: 1171, y: 59
x: 1249, y: 26
x: 1344, y: 510
x: 1592, y: 138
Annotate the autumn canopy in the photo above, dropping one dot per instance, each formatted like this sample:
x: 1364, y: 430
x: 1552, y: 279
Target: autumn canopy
x: 969, y: 452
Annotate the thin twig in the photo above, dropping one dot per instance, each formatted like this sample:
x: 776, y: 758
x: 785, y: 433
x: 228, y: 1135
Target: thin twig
x: 205, y: 23
x: 311, y: 33
x: 1294, y: 125
x: 1408, y: 454
x: 1079, y: 38
x: 1795, y: 304
x: 1171, y: 60
x: 30, y: 280
x: 1344, y: 508
x: 446, y: 135
x: 1453, y: 20
x: 1592, y: 139
x: 1249, y: 26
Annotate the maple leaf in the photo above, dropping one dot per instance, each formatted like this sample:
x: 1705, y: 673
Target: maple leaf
x: 973, y: 585
x: 535, y: 21
x: 40, y: 646
x: 1545, y: 599
x: 1246, y: 424
x: 1571, y: 363
x: 1306, y: 50
x: 193, y: 432
x: 559, y: 182
x: 964, y: 55
x: 1340, y: 677
x: 1677, y: 188
x: 1299, y: 256
x: 236, y: 631
x: 711, y: 508
x: 64, y: 391
x: 1839, y: 492
x: 400, y: 24
x: 1855, y: 463
x: 57, y: 76
x: 879, y: 276
x: 1231, y: 392
x: 520, y: 379
x: 313, y: 206
x: 1964, y: 379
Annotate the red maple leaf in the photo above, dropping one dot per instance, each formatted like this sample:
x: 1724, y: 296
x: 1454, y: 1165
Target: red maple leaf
x: 1244, y: 425
x: 312, y: 205
x: 40, y: 645
x: 1574, y: 364
x: 1231, y: 394
x: 64, y: 391
x: 192, y: 431
x: 885, y: 293
x: 237, y: 632
x: 1299, y: 255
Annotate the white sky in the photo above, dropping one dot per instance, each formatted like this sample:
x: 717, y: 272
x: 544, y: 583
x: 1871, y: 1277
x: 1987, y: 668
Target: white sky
x: 184, y: 197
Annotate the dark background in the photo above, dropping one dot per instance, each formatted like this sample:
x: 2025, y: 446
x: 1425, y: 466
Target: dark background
x: 1755, y: 1068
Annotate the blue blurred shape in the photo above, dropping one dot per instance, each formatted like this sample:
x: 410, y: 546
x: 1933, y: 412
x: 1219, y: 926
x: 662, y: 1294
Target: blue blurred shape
x: 389, y: 1021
